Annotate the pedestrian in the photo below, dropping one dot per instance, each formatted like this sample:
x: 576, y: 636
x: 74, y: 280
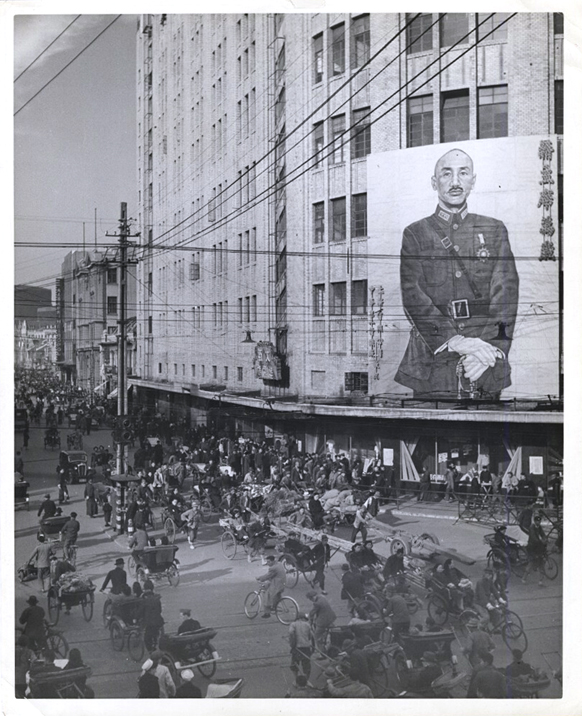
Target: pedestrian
x: 188, y: 690
x: 192, y: 519
x: 397, y: 607
x: 62, y: 485
x: 25, y: 437
x: 153, y: 620
x: 167, y: 686
x: 322, y: 616
x: 537, y: 545
x: 450, y: 482
x: 18, y: 463
x: 424, y: 492
x: 90, y: 498
x: 275, y: 577
x: 117, y: 577
x: 69, y: 533
x: 148, y: 684
x: 42, y: 554
x: 33, y: 621
x: 360, y: 523
x: 320, y: 556
x: 487, y: 682
x: 352, y: 586
x: 107, y: 508
x: 479, y: 643
x: 301, y: 647
x: 47, y: 508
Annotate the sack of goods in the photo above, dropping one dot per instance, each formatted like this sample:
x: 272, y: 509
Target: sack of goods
x: 75, y: 582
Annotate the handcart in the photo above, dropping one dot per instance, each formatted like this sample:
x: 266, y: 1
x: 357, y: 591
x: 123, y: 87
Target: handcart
x: 75, y: 592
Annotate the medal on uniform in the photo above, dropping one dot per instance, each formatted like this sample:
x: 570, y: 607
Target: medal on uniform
x: 482, y: 252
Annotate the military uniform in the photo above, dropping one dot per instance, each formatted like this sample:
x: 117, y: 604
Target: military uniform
x: 458, y: 277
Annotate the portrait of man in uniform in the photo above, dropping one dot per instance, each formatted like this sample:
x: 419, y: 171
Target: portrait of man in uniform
x: 460, y: 291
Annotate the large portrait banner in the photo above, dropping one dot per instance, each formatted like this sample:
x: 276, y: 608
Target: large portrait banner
x: 463, y: 271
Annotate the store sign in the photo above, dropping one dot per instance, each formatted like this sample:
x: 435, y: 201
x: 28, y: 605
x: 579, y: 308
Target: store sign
x: 60, y: 306
x: 266, y: 363
x: 536, y: 465
x: 388, y: 457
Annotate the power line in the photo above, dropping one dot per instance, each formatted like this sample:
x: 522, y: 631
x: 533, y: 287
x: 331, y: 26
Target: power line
x: 47, y: 48
x: 54, y: 77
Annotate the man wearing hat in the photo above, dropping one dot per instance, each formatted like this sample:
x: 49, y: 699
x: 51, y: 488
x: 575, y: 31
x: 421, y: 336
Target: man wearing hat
x: 479, y: 643
x: 167, y: 686
x: 42, y: 554
x: 153, y: 620
x: 33, y: 618
x: 275, y: 576
x: 300, y: 642
x: 487, y: 597
x: 187, y: 690
x: 47, y: 507
x: 117, y: 577
x: 320, y: 556
x: 148, y: 684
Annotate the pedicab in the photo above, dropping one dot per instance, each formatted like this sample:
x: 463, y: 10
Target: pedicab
x: 186, y: 651
x: 72, y: 589
x: 409, y: 660
x: 123, y: 618
x: 60, y: 684
x: 156, y: 563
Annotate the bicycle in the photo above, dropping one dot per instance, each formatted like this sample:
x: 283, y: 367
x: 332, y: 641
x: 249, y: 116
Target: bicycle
x: 286, y: 608
x: 70, y: 553
x: 501, y: 621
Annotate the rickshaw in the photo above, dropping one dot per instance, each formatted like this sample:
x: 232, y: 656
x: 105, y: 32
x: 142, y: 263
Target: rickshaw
x: 60, y: 684
x: 50, y: 526
x: 123, y: 620
x: 52, y: 438
x: 156, y: 563
x: 408, y: 661
x: 78, y: 592
x: 186, y: 651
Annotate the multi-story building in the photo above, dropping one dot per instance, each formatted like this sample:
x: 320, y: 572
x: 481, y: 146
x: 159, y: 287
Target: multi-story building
x: 256, y: 135
x: 88, y: 299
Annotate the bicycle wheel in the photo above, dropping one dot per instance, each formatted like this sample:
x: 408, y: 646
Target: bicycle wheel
x: 514, y: 636
x: 116, y: 635
x: 252, y: 604
x: 54, y: 607
x: 309, y: 575
x: 170, y: 529
x: 287, y: 610
x: 550, y: 568
x: 291, y: 573
x: 438, y: 609
x: 228, y: 544
x: 131, y: 565
x: 378, y: 675
x: 513, y: 618
x: 57, y: 643
x: 173, y: 575
x: 87, y: 606
x: 107, y: 611
x: 207, y: 670
x: 135, y: 645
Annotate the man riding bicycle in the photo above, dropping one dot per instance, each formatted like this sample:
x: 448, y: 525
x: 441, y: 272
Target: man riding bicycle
x: 275, y: 577
x: 69, y: 534
x: 487, y: 598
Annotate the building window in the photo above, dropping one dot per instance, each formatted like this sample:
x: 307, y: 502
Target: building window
x: 150, y: 324
x: 239, y: 374
x: 111, y: 305
x: 214, y: 372
x: 359, y: 215
x: 254, y: 309
x: 112, y: 275
x: 193, y: 371
x: 361, y: 133
x: 492, y: 112
x: 175, y: 369
x: 203, y: 371
x: 159, y: 367
x: 356, y: 381
x: 419, y: 33
x: 240, y: 310
x: 487, y: 23
x: 338, y: 219
x: 319, y: 299
x: 337, y: 302
x: 558, y: 22
x: 453, y: 27
x: 318, y: 58
x: 360, y: 40
x: 455, y: 116
x: 338, y: 127
x: 319, y: 222
x: 225, y: 373
x: 559, y: 106
x: 247, y: 315
x: 360, y: 298
x: 338, y: 50
x: 194, y: 271
x: 420, y: 121
x: 317, y: 143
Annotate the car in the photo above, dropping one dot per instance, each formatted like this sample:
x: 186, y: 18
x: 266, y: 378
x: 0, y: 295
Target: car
x: 77, y: 462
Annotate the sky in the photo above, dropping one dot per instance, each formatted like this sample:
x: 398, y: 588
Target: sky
x: 74, y: 143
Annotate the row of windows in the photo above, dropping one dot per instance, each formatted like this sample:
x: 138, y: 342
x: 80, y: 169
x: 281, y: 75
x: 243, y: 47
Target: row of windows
x: 359, y: 43
x: 338, y: 219
x: 202, y: 371
x: 247, y: 309
x: 453, y: 27
x: 360, y: 138
x: 338, y: 298
x: 246, y: 62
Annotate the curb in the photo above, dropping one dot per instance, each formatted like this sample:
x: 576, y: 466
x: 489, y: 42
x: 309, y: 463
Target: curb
x: 406, y: 513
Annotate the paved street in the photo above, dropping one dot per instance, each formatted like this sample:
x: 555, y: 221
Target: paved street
x: 215, y: 588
